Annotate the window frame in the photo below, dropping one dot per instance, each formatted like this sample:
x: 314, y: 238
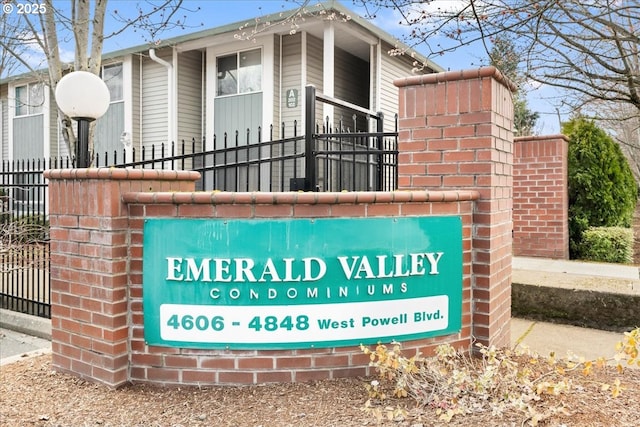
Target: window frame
x: 238, y: 72
x: 121, y: 77
x: 29, y: 105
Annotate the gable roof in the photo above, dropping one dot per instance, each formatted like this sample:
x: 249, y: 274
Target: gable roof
x: 275, y: 19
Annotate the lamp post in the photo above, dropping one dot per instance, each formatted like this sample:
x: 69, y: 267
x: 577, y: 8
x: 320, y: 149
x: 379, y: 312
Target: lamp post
x: 84, y: 97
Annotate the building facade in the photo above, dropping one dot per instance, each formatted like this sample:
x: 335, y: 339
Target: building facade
x: 216, y: 82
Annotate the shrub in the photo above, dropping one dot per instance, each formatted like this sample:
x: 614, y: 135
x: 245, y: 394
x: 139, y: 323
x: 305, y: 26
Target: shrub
x: 5, y: 215
x: 453, y: 383
x: 607, y: 244
x: 25, y: 230
x: 602, y: 190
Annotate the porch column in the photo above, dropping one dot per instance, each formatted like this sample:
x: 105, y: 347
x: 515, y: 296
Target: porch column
x: 328, y: 71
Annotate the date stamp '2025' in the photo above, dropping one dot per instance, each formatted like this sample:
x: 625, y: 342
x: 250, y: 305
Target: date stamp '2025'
x: 23, y: 8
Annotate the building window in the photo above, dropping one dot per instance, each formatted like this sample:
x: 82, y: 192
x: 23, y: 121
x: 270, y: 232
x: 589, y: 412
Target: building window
x: 240, y: 72
x: 29, y: 99
x: 112, y: 76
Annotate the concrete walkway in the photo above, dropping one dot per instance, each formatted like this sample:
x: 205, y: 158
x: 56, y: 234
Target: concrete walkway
x: 22, y: 335
x: 543, y: 337
x: 17, y: 345
x: 563, y: 340
x: 593, y: 269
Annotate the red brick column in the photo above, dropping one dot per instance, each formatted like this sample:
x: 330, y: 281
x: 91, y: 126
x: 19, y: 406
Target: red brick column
x: 540, y: 197
x: 456, y: 133
x: 89, y: 228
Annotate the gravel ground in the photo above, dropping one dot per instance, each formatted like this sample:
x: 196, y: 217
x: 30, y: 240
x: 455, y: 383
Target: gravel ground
x: 31, y: 394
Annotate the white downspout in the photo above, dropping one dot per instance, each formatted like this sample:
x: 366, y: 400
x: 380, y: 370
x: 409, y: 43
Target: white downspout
x: 170, y: 98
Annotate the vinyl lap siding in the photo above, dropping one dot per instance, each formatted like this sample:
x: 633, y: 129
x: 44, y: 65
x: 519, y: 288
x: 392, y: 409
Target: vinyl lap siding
x: 392, y: 68
x: 4, y: 124
x: 190, y: 98
x: 351, y: 85
x: 154, y: 101
x: 276, y: 91
x: 351, y: 78
x: 57, y: 146
x: 314, y: 68
x: 108, y: 132
x: 291, y: 79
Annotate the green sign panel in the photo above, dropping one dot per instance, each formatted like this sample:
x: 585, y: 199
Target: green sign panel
x: 300, y: 283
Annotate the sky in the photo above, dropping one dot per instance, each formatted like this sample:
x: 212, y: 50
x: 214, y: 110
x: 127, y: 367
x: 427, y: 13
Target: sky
x: 205, y: 14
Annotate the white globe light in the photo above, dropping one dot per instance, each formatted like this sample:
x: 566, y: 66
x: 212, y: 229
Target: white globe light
x: 81, y: 94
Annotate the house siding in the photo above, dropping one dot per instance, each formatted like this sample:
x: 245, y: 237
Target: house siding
x: 277, y: 90
x: 110, y: 127
x: 57, y: 146
x: 28, y: 139
x: 190, y: 100
x: 315, y: 49
x: 148, y: 117
x: 351, y: 85
x: 291, y: 79
x: 154, y: 100
x: 392, y: 68
x: 232, y: 115
x: 4, y: 122
x: 108, y: 132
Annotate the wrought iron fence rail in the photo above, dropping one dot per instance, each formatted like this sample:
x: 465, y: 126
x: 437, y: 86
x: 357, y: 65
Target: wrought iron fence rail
x: 327, y: 161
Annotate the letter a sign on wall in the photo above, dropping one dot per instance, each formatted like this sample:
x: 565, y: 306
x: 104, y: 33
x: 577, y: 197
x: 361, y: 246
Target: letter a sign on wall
x: 300, y: 283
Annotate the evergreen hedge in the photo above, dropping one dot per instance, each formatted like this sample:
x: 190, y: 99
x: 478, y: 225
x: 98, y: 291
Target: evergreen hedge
x: 602, y: 190
x: 607, y: 244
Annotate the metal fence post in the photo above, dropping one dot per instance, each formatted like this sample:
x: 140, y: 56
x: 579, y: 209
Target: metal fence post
x: 309, y: 146
x: 380, y: 143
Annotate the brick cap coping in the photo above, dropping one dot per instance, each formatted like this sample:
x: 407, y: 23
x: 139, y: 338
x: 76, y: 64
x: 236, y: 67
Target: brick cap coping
x: 310, y: 198
x: 122, y: 174
x: 451, y: 76
x: 541, y: 138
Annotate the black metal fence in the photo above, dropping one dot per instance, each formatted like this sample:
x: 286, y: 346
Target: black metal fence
x: 24, y: 238
x: 326, y: 158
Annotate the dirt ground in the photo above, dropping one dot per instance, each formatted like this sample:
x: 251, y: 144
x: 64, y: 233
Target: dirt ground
x: 31, y: 394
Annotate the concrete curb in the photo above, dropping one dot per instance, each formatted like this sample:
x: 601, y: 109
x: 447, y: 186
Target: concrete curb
x: 22, y: 356
x: 578, y: 268
x: 26, y: 324
x: 586, y: 294
x: 609, y: 311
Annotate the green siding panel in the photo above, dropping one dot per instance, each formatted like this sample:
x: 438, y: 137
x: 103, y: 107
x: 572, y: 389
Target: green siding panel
x: 28, y: 138
x: 108, y: 132
x: 237, y: 113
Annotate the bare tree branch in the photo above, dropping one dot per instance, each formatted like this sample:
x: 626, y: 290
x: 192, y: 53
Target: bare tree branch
x: 84, y: 26
x: 586, y: 48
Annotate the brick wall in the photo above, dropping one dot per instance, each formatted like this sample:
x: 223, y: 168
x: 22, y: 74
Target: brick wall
x: 90, y: 249
x: 455, y: 159
x: 456, y: 133
x: 188, y: 366
x: 540, y: 197
x: 97, y: 314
